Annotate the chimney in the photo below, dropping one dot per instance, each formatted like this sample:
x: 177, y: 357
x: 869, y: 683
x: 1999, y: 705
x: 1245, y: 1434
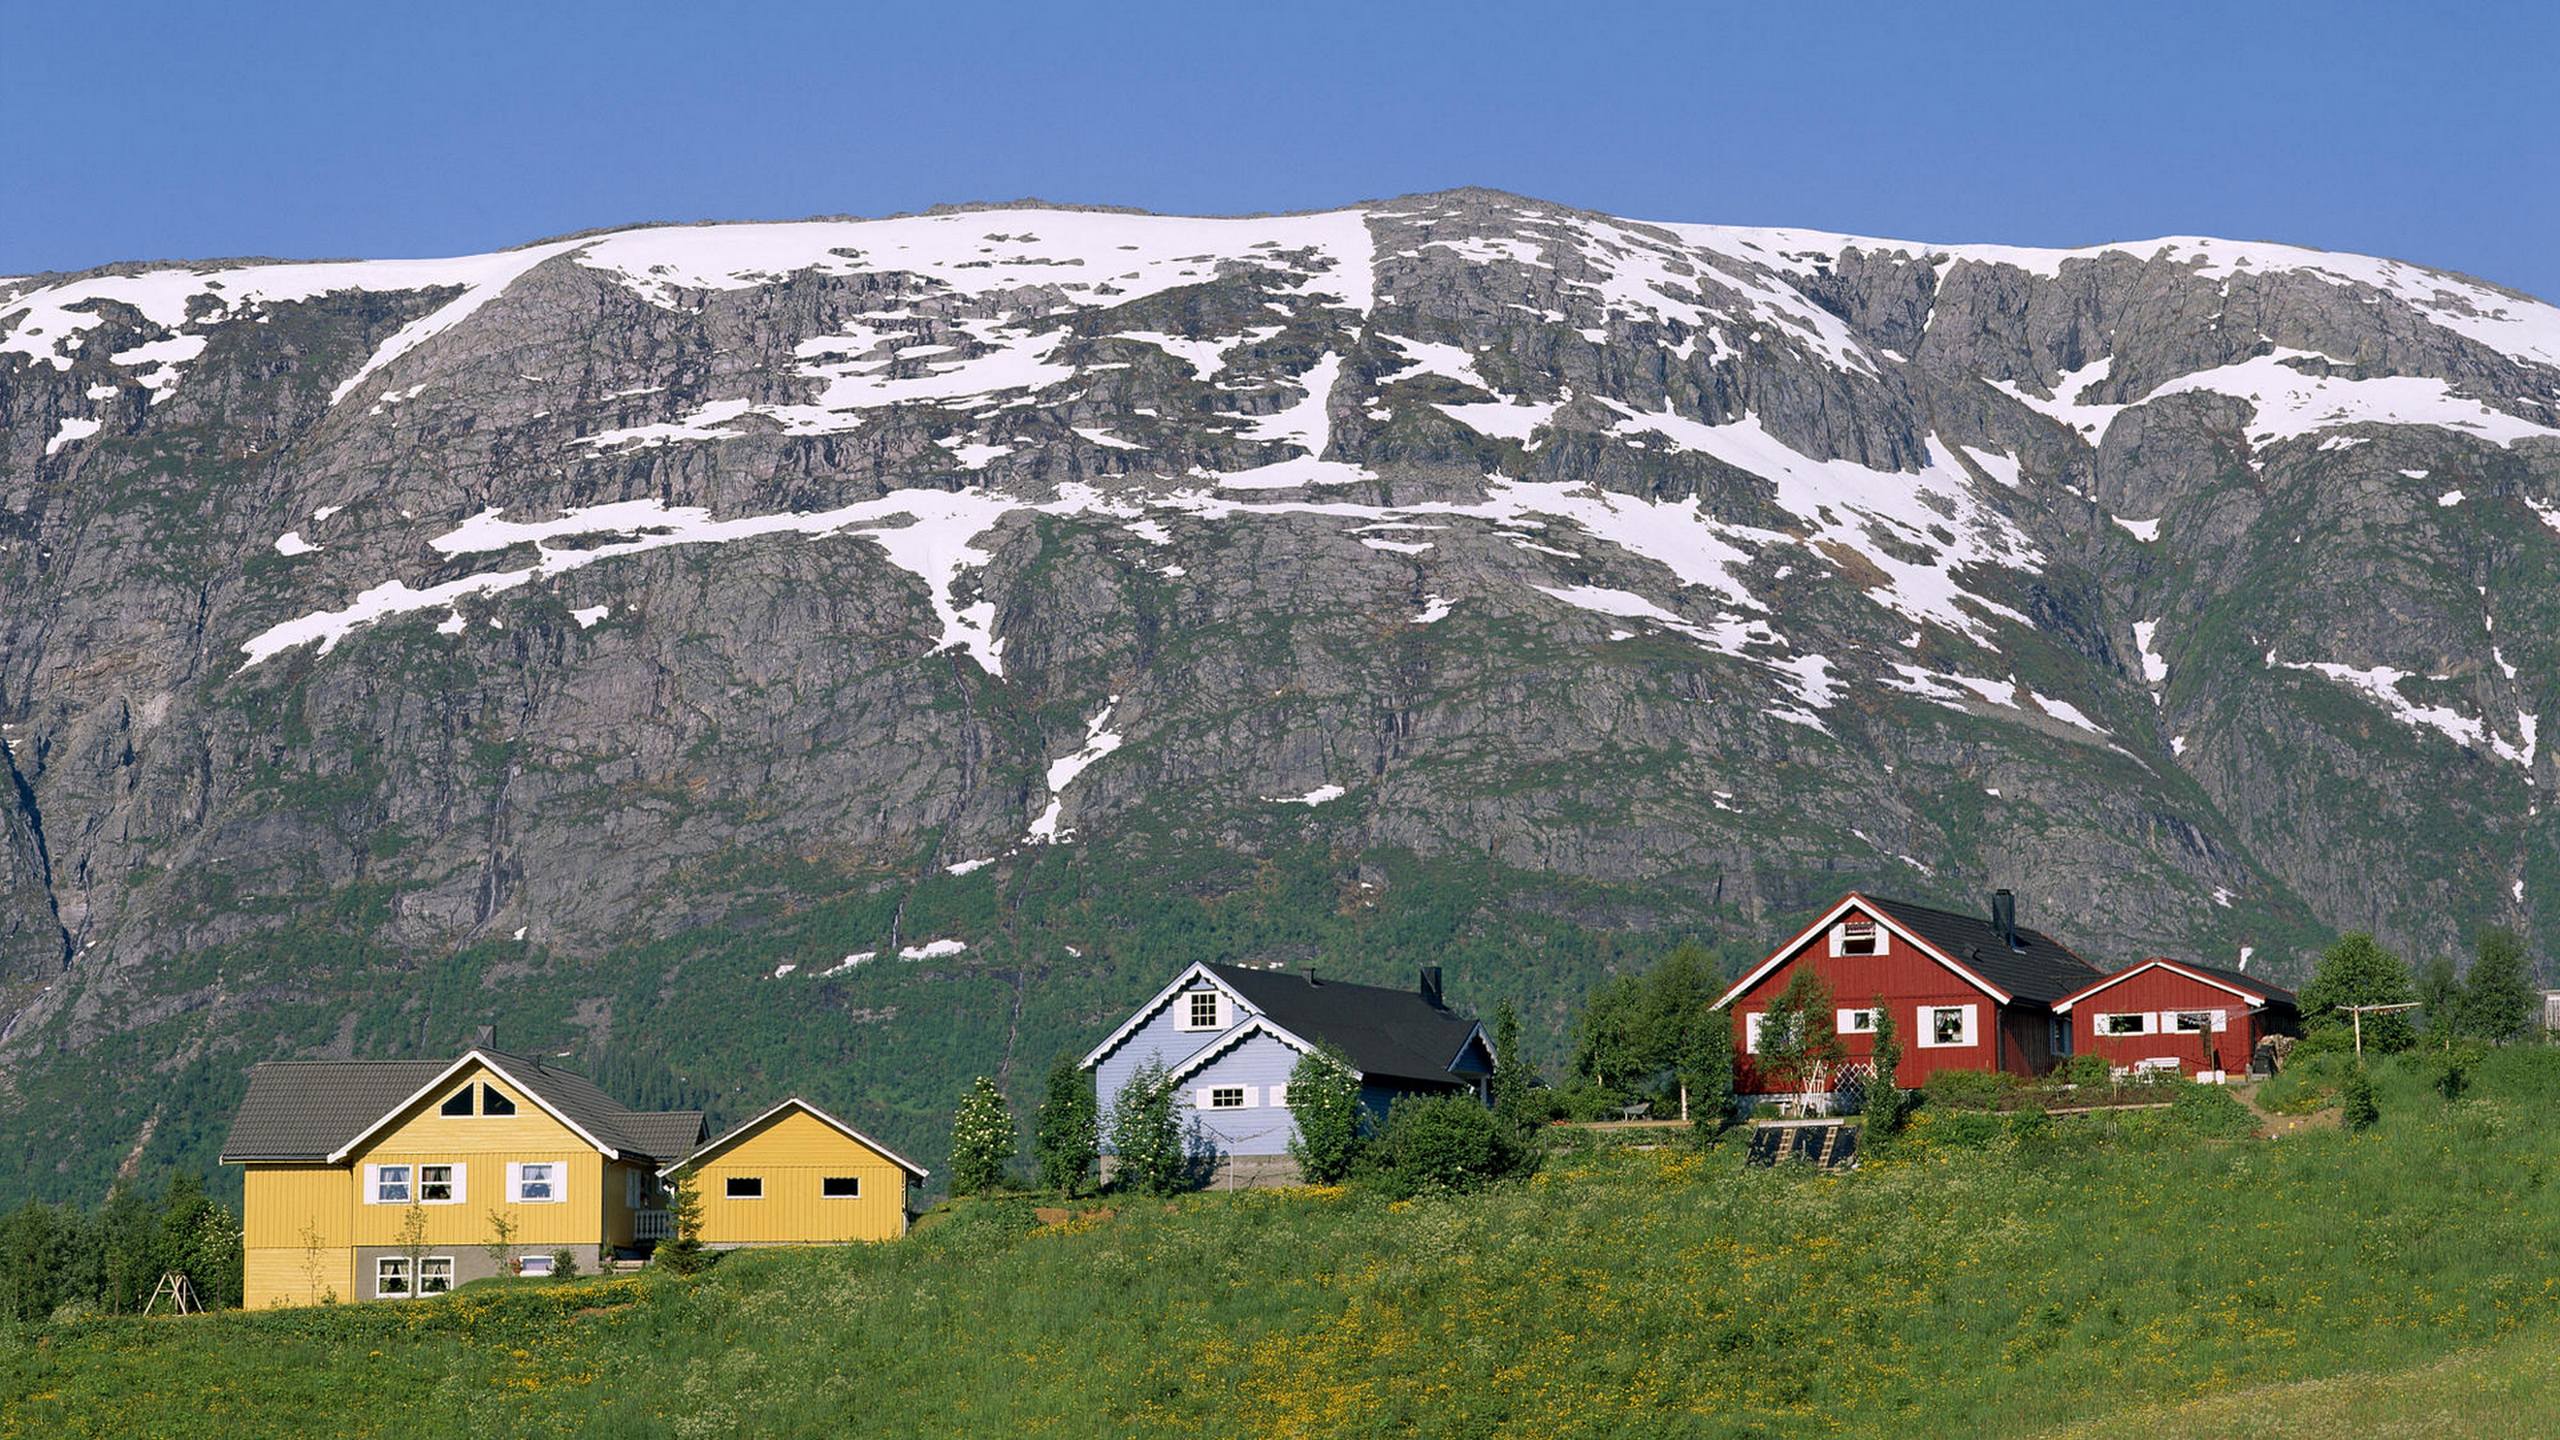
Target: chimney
x: 1310, y: 972
x: 486, y: 1038
x: 2004, y: 916
x: 1431, y: 987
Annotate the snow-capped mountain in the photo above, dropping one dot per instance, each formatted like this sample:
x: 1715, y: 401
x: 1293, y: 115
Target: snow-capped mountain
x: 614, y: 622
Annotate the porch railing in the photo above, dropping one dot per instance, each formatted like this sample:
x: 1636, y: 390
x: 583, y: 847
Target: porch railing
x: 652, y: 1225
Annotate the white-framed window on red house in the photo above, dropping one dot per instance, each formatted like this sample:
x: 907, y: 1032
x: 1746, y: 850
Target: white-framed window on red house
x: 1941, y: 1027
x: 2193, y: 1022
x: 1751, y: 1024
x: 1857, y: 935
x: 2137, y: 1022
x: 1855, y: 1022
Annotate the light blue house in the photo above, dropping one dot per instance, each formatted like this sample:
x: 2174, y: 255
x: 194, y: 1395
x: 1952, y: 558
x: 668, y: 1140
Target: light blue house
x: 1228, y: 1035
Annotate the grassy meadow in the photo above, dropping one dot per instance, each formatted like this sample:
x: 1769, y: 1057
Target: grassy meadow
x: 2140, y: 1273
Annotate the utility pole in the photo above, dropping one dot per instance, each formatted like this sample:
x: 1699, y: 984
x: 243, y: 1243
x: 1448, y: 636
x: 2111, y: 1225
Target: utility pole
x: 2358, y: 1012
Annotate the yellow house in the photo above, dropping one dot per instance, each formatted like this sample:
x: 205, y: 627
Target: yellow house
x: 359, y: 1173
x: 796, y: 1175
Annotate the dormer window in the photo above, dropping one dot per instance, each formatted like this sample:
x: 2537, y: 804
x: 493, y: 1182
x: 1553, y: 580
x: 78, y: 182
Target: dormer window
x: 1204, y: 1010
x: 493, y: 1103
x: 1857, y: 935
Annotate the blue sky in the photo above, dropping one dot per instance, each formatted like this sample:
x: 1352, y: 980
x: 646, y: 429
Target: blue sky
x: 164, y: 130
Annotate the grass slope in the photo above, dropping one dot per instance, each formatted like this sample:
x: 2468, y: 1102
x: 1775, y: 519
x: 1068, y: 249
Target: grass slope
x: 1995, y: 1278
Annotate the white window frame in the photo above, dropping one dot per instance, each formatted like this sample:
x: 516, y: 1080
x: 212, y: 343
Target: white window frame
x: 384, y: 1265
x: 373, y: 1183
x: 2148, y: 1019
x: 460, y: 1182
x: 1840, y: 938
x: 1207, y: 1099
x: 630, y: 1189
x: 729, y: 1184
x: 1187, y: 1018
x: 1279, y: 1096
x: 1846, y: 1021
x: 426, y: 1268
x: 2173, y: 1022
x: 556, y: 1176
x: 857, y: 1187
x: 533, y: 1264
x: 1925, y: 1027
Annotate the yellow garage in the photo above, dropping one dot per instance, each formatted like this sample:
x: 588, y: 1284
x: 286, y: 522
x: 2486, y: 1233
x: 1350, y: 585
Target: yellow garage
x: 796, y: 1175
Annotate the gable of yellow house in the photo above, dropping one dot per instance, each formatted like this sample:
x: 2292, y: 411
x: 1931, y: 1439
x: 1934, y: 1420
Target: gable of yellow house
x: 796, y: 1175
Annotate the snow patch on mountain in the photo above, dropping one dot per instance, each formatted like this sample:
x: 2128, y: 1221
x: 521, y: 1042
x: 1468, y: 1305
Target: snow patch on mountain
x: 1098, y: 742
x: 71, y: 431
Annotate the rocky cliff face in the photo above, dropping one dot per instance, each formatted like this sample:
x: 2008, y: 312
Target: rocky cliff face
x: 849, y: 655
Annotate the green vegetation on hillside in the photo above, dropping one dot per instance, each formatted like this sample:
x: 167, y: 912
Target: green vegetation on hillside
x: 1988, y: 1275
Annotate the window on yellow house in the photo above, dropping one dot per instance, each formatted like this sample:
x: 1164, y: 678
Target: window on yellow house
x: 390, y: 1184
x: 493, y: 1103
x: 746, y: 1187
x: 841, y: 1187
x: 457, y: 1103
x: 435, y: 1275
x: 534, y: 1182
x: 391, y: 1277
x: 438, y: 1185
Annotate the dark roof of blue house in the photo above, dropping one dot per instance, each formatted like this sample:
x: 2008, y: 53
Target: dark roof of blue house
x: 1387, y: 1033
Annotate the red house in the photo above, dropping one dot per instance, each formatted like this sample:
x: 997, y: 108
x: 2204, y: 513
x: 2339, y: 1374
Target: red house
x: 1967, y: 992
x: 2164, y: 1014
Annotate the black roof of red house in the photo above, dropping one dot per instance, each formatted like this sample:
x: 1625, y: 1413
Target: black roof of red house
x: 2038, y: 967
x: 2237, y: 979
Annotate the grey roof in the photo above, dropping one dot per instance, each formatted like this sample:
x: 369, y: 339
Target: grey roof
x: 663, y: 1134
x: 2275, y: 994
x: 1389, y: 1033
x: 304, y: 1109
x: 307, y: 1109
x: 2039, y: 968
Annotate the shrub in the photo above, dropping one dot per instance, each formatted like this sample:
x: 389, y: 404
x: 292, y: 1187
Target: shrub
x: 683, y: 1253
x: 2357, y: 1108
x: 2449, y: 1067
x: 1706, y: 1070
x: 1146, y: 1136
x: 982, y: 1139
x: 1437, y: 1142
x: 2302, y: 1086
x: 1887, y: 1102
x: 564, y: 1265
x: 1582, y: 1102
x: 1959, y: 1130
x: 1066, y: 1140
x: 2087, y: 1071
x: 1968, y: 1089
x: 1324, y: 1100
x: 2210, y: 1111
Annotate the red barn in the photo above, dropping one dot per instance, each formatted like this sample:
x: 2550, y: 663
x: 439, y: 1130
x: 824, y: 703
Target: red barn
x: 1967, y: 992
x: 2162, y: 1013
